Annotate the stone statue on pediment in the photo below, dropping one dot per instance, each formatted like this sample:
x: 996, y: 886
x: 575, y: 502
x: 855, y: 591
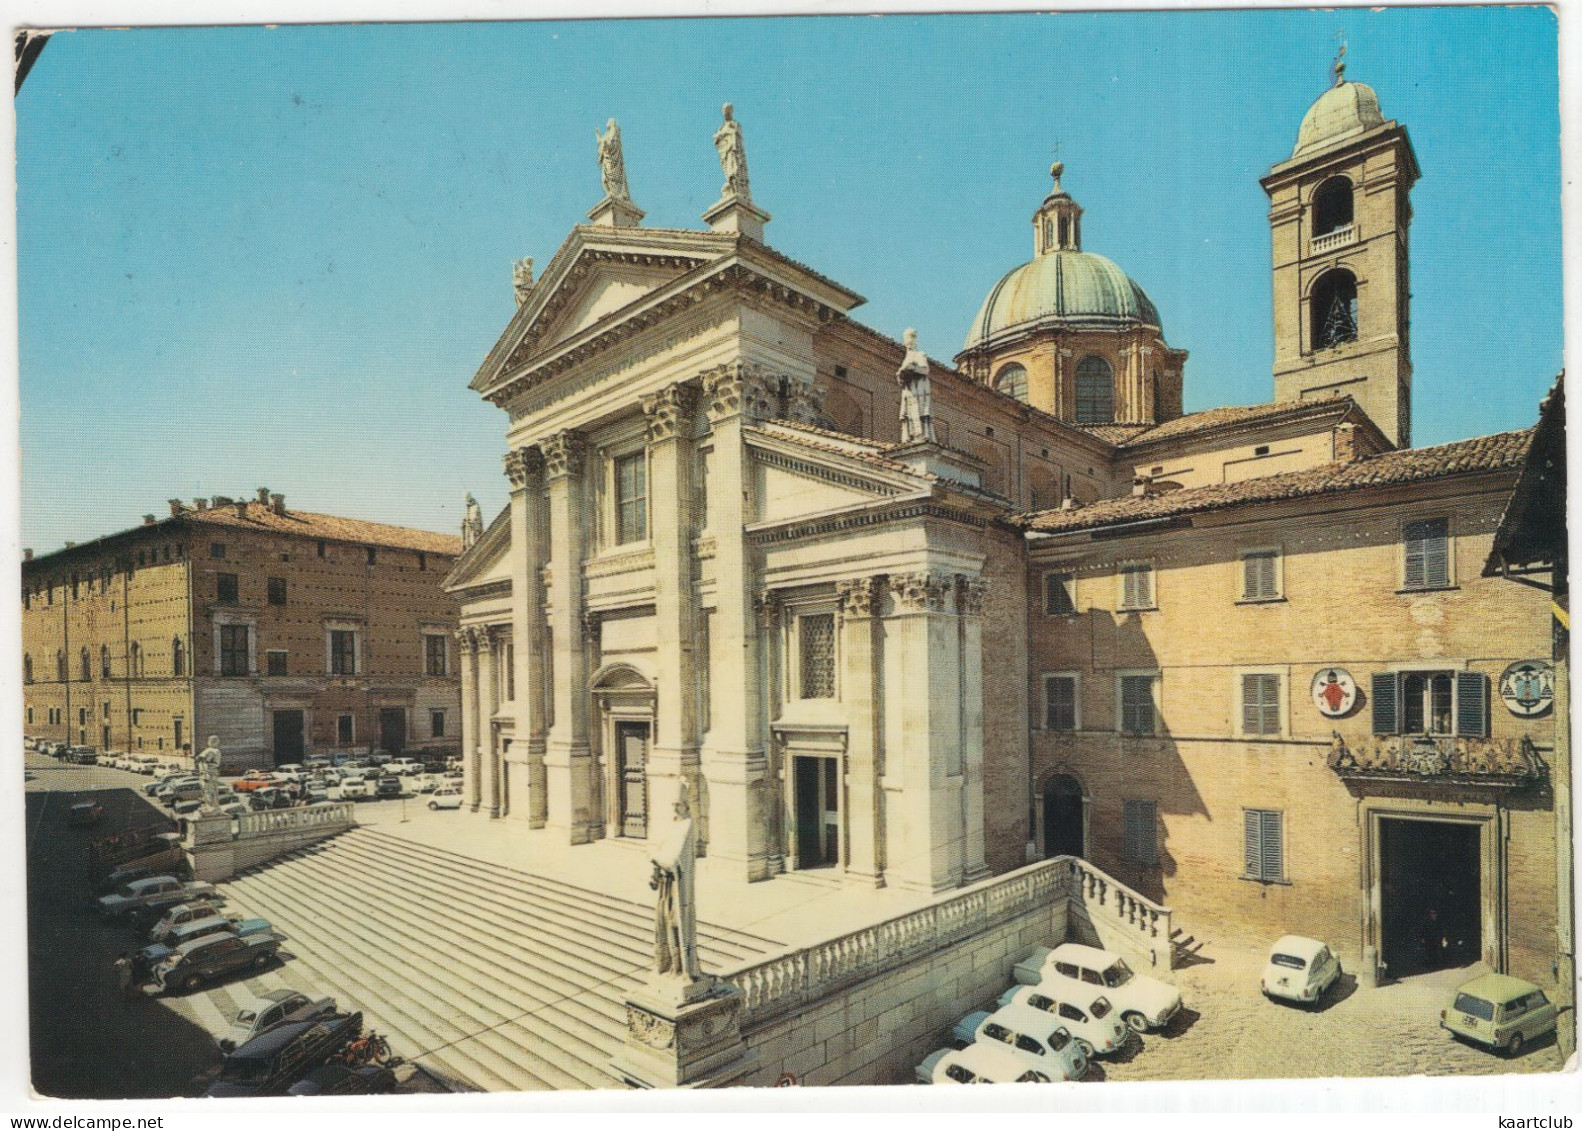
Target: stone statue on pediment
x: 733, y: 158
x: 471, y: 523
x: 522, y: 279
x: 612, y: 164
x: 917, y: 398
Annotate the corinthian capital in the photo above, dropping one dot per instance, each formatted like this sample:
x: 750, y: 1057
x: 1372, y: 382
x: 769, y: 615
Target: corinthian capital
x: 467, y: 638
x: 563, y: 454
x: 521, y: 465
x: 670, y: 411
x: 922, y: 592
x: 860, y: 596
x: 970, y: 592
x: 741, y: 388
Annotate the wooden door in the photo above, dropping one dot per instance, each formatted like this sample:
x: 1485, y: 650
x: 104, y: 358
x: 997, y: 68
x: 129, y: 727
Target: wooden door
x: 631, y: 768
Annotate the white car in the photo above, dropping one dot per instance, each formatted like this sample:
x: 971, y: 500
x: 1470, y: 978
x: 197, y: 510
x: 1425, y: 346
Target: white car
x: 1300, y: 969
x: 405, y: 767
x: 291, y: 772
x: 445, y: 797
x: 1039, y: 1039
x: 978, y: 1064
x: 1091, y: 1017
x: 1145, y: 1003
x: 355, y: 786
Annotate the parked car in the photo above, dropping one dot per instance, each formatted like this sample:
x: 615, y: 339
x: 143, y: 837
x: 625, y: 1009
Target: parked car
x: 1299, y: 969
x: 445, y: 797
x: 208, y: 925
x: 403, y: 766
x: 204, y: 959
x: 341, y: 757
x: 978, y: 1064
x: 423, y: 783
x: 183, y: 792
x: 378, y: 757
x: 253, y: 780
x: 82, y: 755
x: 291, y: 771
x: 1090, y: 1017
x: 1039, y: 1039
x: 317, y: 761
x: 389, y: 786
x: 148, y: 890
x: 1145, y: 1003
x: 181, y: 913
x: 1499, y: 1012
x: 355, y: 787
x: 342, y: 1080
x: 84, y: 813
x: 269, y: 1064
x: 269, y: 1009
x: 315, y: 793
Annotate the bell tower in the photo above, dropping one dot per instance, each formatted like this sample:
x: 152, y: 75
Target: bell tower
x: 1339, y: 213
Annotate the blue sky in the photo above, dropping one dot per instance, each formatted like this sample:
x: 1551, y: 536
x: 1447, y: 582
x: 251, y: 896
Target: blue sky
x: 254, y: 257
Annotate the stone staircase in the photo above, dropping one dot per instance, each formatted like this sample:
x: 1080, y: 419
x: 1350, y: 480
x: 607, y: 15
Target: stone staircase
x: 489, y: 978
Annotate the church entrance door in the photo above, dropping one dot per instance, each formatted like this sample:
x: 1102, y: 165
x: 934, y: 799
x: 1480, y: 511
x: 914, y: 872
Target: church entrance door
x: 631, y: 757
x: 817, y: 812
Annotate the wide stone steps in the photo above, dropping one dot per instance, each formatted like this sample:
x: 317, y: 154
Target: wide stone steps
x: 492, y: 978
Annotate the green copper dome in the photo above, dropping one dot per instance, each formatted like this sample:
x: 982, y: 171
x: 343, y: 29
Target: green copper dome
x: 1344, y: 110
x: 1065, y: 288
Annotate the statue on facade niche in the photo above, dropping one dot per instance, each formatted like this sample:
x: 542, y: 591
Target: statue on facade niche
x: 733, y: 158
x: 612, y: 165
x: 675, y: 910
x: 522, y: 279
x: 917, y: 399
x: 471, y: 523
x: 208, y: 766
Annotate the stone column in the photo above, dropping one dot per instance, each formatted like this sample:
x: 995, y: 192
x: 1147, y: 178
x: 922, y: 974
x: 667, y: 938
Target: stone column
x: 467, y: 648
x: 488, y: 786
x: 861, y: 600
x: 733, y: 760
x: 567, y: 763
x: 525, y: 469
x: 672, y: 763
x: 923, y: 758
x: 970, y: 592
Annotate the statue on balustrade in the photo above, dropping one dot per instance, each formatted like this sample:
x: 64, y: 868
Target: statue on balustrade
x: 675, y: 911
x: 208, y: 767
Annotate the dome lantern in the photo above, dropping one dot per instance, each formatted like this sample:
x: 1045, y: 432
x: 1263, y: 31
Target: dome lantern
x: 1057, y: 225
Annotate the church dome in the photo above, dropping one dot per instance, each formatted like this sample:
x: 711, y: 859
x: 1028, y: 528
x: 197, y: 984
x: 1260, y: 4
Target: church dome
x: 1344, y: 110
x: 1063, y: 288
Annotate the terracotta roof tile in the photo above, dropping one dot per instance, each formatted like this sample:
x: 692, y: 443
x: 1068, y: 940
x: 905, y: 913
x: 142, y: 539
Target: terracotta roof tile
x: 850, y: 446
x: 1231, y: 415
x: 1113, y: 433
x: 305, y: 524
x: 1502, y: 451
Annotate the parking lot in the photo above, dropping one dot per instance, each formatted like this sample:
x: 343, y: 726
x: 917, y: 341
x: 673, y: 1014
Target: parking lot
x: 87, y: 1041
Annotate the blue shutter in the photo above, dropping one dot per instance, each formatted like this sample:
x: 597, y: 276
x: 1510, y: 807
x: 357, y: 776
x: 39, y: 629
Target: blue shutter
x: 1472, y: 699
x: 1252, y: 843
x: 1386, y: 704
x: 1273, y: 846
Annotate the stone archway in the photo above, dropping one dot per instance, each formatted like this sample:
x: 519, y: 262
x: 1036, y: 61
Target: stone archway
x: 624, y: 703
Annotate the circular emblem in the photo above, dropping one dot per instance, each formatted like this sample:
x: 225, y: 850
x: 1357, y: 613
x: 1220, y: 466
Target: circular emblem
x: 787, y: 1080
x: 1334, y: 692
x: 1528, y: 688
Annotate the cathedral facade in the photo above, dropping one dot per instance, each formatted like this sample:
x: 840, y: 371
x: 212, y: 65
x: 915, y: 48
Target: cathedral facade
x: 904, y: 623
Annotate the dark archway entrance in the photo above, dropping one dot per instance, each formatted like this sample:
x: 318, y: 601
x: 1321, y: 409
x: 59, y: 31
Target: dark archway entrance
x: 1430, y: 895
x: 1064, y: 834
x: 288, y: 745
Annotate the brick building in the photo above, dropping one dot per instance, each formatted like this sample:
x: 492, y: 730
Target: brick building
x: 280, y: 631
x: 902, y: 623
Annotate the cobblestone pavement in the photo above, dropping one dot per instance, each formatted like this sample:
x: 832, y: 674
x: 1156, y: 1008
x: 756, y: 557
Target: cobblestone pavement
x: 1228, y: 1030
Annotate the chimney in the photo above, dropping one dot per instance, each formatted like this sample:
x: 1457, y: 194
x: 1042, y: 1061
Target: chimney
x: 1346, y: 443
x: 200, y: 504
x: 1140, y: 484
x: 27, y: 554
x: 149, y: 520
x: 1069, y: 503
x: 277, y: 503
x: 71, y: 545
x: 263, y: 496
x: 221, y: 501
x: 241, y: 508
x: 176, y: 507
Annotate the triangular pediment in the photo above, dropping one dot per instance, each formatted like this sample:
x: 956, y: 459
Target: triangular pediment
x: 487, y: 561
x: 600, y: 291
x: 794, y: 478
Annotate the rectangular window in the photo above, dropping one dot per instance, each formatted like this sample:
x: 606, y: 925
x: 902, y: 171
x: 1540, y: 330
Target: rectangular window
x: 137, y: 716
x: 1260, y: 576
x: 1139, y: 843
x: 226, y: 589
x: 344, y: 735
x: 216, y: 549
x: 233, y: 649
x: 277, y: 662
x: 1263, y: 841
x: 434, y: 655
x: 1060, y: 702
x: 1137, y: 586
x: 1137, y: 704
x: 1060, y: 594
x: 30, y: 716
x: 373, y: 555
x: 82, y: 716
x: 631, y: 498
x: 343, y: 652
x: 1260, y: 704
x: 816, y: 635
x: 1431, y: 703
x: 1427, y: 545
x: 321, y: 547
x: 277, y: 591
x: 436, y: 724
x: 422, y: 561
x: 106, y: 706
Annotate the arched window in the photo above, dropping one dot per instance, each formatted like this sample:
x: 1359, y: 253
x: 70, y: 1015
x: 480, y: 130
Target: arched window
x: 1334, y: 309
x: 104, y: 661
x: 1095, y: 391
x: 1012, y: 381
x: 178, y: 657
x: 60, y: 666
x: 87, y: 669
x: 27, y: 668
x: 134, y: 666
x: 1332, y: 206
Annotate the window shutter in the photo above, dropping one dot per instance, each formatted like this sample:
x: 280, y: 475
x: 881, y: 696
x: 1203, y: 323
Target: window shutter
x: 1472, y: 699
x: 1258, y: 576
x: 1252, y: 843
x: 1413, y: 578
x: 1436, y: 558
x: 1145, y: 586
x: 1250, y: 715
x: 1386, y: 703
x: 1271, y: 704
x: 1273, y: 847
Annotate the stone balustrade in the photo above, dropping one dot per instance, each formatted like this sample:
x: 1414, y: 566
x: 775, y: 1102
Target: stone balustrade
x: 1120, y: 916
x: 290, y: 820
x: 1329, y: 241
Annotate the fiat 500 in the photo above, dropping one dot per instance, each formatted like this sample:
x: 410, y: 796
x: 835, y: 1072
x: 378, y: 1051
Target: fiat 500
x: 1300, y: 970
